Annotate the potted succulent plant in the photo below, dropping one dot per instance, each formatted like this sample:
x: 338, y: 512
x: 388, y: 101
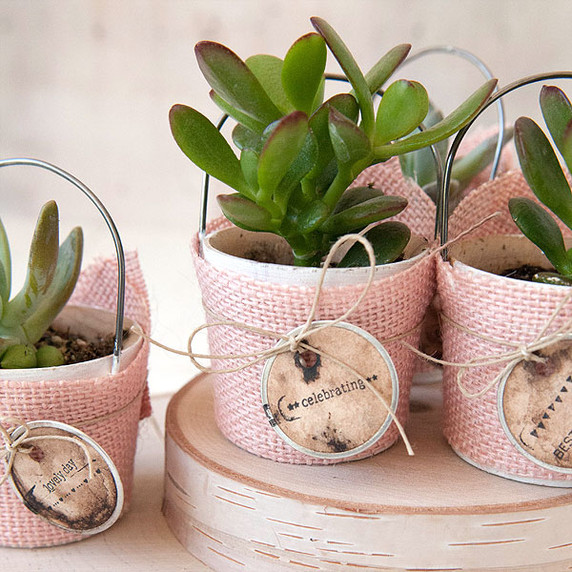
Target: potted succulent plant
x: 507, y: 408
x: 57, y: 372
x: 299, y: 156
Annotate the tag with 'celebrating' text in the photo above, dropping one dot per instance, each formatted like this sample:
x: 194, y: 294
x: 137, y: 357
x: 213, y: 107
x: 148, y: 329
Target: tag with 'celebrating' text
x: 332, y: 402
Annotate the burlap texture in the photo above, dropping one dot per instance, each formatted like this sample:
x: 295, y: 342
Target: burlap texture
x: 107, y: 408
x: 393, y: 306
x: 502, y: 309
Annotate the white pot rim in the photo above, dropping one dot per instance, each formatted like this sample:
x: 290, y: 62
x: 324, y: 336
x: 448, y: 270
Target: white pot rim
x: 213, y: 253
x: 97, y: 322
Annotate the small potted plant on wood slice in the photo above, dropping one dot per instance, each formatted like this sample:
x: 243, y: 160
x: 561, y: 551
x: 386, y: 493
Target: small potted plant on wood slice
x: 71, y: 393
x: 259, y: 267
x: 507, y: 317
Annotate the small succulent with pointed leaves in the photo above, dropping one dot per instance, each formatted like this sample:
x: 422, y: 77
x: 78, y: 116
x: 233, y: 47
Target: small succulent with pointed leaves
x: 420, y: 165
x: 298, y: 153
x: 52, y: 273
x: 547, y: 178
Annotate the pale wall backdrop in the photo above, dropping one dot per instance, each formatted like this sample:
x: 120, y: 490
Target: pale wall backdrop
x: 87, y: 85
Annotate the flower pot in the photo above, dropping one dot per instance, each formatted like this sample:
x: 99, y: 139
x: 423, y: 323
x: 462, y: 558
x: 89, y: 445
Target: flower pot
x: 279, y: 298
x: 510, y: 416
x: 105, y: 406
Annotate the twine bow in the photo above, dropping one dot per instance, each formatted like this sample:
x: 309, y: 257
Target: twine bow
x: 297, y: 341
x: 13, y: 447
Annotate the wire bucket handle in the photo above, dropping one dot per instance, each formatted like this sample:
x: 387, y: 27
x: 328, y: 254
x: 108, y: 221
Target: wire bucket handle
x: 117, y: 343
x: 443, y: 197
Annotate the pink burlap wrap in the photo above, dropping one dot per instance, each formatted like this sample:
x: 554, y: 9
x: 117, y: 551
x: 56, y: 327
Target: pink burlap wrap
x: 494, y: 306
x: 395, y: 305
x: 107, y: 408
x: 502, y: 309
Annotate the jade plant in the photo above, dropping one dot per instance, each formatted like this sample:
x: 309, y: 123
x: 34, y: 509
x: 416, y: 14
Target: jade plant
x: 546, y: 176
x: 299, y: 154
x: 52, y: 273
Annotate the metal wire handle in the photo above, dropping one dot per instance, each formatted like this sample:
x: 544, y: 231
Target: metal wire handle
x: 443, y: 197
x: 118, y: 341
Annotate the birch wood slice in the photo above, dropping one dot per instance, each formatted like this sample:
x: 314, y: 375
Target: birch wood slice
x: 433, y: 511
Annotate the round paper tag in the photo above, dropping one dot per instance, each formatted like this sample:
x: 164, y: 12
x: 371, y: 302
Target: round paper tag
x: 66, y: 478
x: 535, y: 407
x: 318, y: 405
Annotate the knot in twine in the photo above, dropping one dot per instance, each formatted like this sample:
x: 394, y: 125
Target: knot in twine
x: 13, y: 447
x: 296, y: 342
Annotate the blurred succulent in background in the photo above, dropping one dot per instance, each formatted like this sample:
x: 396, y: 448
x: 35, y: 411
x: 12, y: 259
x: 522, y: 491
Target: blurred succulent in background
x: 298, y: 153
x: 52, y: 273
x: 548, y: 180
x: 421, y: 165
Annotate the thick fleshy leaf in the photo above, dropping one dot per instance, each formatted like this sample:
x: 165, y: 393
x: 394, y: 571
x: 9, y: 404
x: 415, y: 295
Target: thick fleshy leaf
x: 240, y: 117
x: 350, y: 69
x: 362, y: 214
x: 303, y: 71
x: 386, y: 66
x: 478, y: 158
x: 403, y: 107
x: 319, y: 124
x: 349, y: 142
x: 5, y: 265
x: 456, y: 120
x: 42, y: 264
x: 355, y: 196
x: 388, y: 239
x: 60, y: 289
x: 312, y: 217
x: 268, y: 71
x: 231, y: 78
x: 300, y: 167
x: 557, y: 113
x: 246, y: 214
x: 245, y: 138
x: 566, y: 148
x: 205, y: 146
x: 280, y: 151
x: 249, y: 166
x: 540, y: 228
x: 542, y: 169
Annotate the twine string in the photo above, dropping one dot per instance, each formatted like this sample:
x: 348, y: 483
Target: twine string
x: 13, y: 447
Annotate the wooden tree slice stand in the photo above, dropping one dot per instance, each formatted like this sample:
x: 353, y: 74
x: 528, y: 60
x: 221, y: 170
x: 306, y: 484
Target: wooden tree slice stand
x: 431, y: 512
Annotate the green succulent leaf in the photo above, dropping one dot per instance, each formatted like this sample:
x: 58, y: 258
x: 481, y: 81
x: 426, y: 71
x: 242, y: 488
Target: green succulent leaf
x: 403, y: 107
x: 245, y: 138
x: 388, y: 240
x: 5, y: 266
x: 557, y: 113
x: 20, y: 356
x: 240, y: 117
x: 542, y: 170
x: 303, y: 71
x: 386, y: 66
x: 566, y: 148
x: 49, y: 356
x: 299, y: 168
x: 279, y: 152
x: 456, y: 120
x: 351, y: 71
x: 478, y: 158
x: 355, y: 196
x: 205, y: 146
x: 232, y: 80
x: 552, y: 278
x: 349, y: 142
x: 268, y: 71
x: 246, y: 213
x: 61, y: 287
x: 540, y: 228
x: 363, y: 214
x: 312, y: 217
x: 42, y: 264
x: 249, y: 166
